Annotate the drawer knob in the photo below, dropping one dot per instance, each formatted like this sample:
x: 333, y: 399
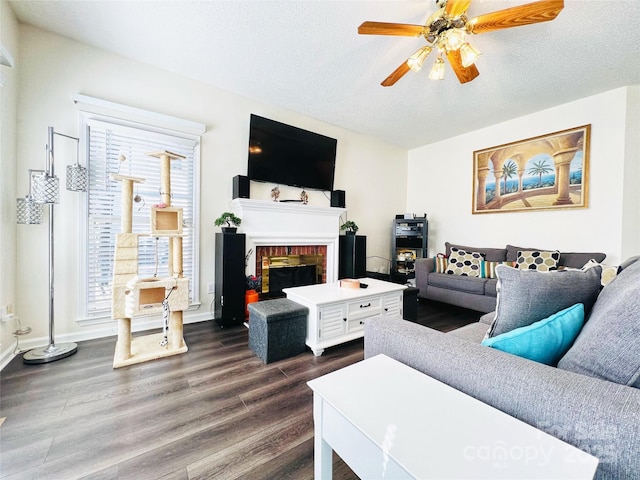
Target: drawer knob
x: 344, y: 319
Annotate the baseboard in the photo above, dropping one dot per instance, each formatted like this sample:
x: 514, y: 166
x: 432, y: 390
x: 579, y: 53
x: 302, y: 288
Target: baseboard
x: 107, y: 329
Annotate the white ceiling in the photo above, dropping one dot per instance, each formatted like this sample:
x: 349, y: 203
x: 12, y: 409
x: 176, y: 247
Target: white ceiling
x: 306, y: 56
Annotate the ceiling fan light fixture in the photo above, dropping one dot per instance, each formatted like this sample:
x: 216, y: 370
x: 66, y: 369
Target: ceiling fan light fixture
x: 468, y: 55
x: 437, y: 71
x: 452, y: 39
x: 416, y: 60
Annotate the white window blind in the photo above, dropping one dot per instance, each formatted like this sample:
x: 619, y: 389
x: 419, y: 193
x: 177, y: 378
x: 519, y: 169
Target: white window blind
x: 117, y: 149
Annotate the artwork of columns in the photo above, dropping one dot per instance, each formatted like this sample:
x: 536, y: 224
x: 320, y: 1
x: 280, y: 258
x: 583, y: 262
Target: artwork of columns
x: 546, y: 172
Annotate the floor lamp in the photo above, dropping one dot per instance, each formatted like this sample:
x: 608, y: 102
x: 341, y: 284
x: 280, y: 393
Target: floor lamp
x: 44, y: 189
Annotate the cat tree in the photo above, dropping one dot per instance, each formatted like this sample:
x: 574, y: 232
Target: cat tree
x: 134, y: 296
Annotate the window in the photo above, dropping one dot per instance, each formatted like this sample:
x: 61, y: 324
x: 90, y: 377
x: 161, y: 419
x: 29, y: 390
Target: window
x: 118, y: 147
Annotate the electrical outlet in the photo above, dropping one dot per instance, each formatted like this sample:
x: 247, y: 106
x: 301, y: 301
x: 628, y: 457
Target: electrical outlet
x: 6, y: 313
x: 211, y: 288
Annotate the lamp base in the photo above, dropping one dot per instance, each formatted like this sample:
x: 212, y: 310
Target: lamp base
x: 50, y: 353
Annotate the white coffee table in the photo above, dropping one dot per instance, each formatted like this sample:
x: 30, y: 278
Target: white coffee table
x: 387, y: 420
x: 337, y: 314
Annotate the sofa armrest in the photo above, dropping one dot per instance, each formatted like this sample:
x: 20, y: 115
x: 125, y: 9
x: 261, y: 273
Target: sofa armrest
x: 423, y: 266
x: 594, y: 415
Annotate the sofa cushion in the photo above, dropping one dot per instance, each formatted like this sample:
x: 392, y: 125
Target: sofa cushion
x: 457, y: 282
x: 490, y: 254
x: 526, y: 296
x: 608, y: 346
x: 487, y: 318
x: 474, y: 332
x: 544, y: 341
x: 512, y: 252
x: 490, y: 287
x: 541, y: 260
x: 578, y: 260
x: 464, y: 263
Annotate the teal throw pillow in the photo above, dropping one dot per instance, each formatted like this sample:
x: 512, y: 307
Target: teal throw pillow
x: 545, y: 341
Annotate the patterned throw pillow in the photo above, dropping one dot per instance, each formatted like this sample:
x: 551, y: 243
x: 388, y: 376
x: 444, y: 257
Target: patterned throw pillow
x: 441, y: 261
x: 609, y: 272
x: 489, y: 268
x: 540, y: 260
x: 464, y: 263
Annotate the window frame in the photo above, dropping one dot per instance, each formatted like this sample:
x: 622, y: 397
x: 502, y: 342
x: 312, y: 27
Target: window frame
x: 164, y: 127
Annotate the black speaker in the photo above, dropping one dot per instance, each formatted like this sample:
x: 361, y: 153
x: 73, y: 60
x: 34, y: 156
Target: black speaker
x: 230, y: 282
x: 337, y: 198
x: 352, y: 251
x: 240, y: 186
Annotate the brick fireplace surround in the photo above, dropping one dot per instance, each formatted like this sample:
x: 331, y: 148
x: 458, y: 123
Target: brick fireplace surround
x: 289, y: 229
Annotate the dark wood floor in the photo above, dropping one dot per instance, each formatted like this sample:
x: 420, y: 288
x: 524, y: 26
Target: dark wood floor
x: 214, y: 412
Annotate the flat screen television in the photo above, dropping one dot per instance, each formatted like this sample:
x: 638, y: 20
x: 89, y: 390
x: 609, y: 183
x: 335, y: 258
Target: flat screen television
x: 280, y: 153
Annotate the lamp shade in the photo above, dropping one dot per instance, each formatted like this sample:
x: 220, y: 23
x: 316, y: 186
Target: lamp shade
x: 468, y: 55
x: 77, y: 178
x: 437, y: 71
x: 416, y: 60
x: 46, y: 188
x: 28, y: 212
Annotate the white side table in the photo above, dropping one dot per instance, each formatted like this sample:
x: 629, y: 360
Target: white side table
x: 387, y: 420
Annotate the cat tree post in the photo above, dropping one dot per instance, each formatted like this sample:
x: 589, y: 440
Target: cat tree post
x: 175, y: 243
x: 125, y: 264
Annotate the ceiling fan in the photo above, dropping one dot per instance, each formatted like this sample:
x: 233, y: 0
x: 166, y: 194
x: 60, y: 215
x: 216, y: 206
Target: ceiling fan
x: 446, y: 30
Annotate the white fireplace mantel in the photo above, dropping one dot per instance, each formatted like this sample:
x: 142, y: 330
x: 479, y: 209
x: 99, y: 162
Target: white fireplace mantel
x: 282, y: 223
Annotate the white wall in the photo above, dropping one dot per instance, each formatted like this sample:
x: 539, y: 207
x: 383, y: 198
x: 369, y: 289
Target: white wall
x: 441, y: 184
x: 631, y: 195
x: 371, y: 172
x: 8, y: 102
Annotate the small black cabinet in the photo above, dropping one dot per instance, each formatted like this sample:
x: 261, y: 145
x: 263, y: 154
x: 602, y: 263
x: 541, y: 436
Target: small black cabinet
x: 230, y: 281
x: 409, y: 243
x: 352, y: 256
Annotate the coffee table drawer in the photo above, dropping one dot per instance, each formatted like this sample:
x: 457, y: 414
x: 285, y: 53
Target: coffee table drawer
x: 365, y: 307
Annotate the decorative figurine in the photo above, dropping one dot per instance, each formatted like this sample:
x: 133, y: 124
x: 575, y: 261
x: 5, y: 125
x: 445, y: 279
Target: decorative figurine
x: 275, y: 193
x: 304, y: 198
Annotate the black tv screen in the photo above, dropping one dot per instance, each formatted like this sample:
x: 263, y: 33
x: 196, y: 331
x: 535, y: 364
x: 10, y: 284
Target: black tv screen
x: 280, y: 153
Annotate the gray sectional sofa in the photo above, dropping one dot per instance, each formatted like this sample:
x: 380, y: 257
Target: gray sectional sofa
x: 590, y: 399
x: 478, y: 293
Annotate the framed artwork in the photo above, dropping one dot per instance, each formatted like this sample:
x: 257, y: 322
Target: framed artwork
x: 546, y: 172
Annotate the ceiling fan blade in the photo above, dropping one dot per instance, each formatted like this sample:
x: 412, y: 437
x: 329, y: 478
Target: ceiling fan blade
x: 396, y: 75
x: 455, y: 8
x: 542, y: 11
x: 382, y: 28
x: 464, y: 74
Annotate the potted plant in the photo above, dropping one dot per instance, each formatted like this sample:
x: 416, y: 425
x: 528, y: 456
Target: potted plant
x: 350, y: 227
x: 230, y: 221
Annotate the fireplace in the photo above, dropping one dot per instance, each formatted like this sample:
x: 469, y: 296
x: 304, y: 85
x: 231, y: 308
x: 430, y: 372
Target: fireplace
x: 290, y: 266
x: 284, y: 271
x: 279, y: 229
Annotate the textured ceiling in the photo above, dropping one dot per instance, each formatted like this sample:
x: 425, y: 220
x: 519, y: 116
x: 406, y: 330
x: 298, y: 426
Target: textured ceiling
x: 307, y: 56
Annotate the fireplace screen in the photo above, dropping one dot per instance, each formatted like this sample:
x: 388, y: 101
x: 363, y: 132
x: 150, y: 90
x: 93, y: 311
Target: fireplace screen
x: 286, y: 271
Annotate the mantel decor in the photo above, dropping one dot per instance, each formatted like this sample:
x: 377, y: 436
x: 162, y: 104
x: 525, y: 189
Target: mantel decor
x: 541, y: 173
